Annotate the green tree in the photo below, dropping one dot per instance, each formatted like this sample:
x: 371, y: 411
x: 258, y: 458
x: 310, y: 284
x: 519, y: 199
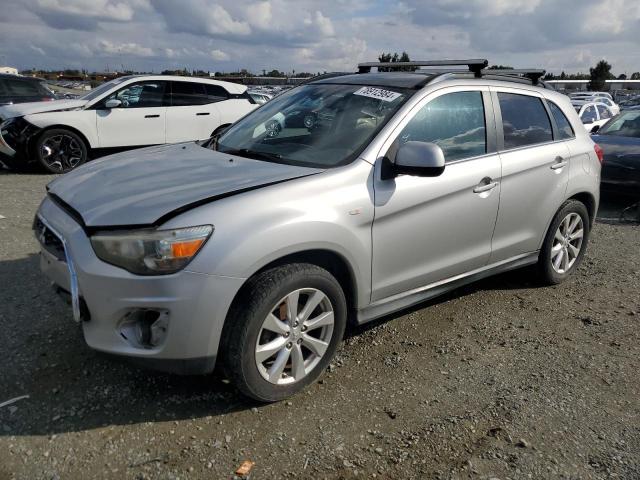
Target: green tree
x: 598, y: 75
x: 635, y: 76
x: 622, y: 76
x: 394, y: 58
x: 500, y: 67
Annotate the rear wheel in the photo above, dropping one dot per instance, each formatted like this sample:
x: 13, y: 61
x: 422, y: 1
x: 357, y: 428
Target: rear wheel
x: 284, y: 331
x: 565, y: 243
x: 60, y: 151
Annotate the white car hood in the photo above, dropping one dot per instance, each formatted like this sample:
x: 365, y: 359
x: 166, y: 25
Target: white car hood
x: 22, y: 109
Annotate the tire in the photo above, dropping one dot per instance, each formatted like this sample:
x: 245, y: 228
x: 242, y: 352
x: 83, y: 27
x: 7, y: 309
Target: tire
x: 245, y: 333
x: 59, y: 150
x: 552, y: 268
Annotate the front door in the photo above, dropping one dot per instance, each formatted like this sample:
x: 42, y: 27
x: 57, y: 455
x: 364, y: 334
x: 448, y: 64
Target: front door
x: 431, y: 229
x: 140, y: 118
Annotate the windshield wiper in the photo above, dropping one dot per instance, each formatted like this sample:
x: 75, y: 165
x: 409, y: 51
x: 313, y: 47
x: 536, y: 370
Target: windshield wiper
x: 245, y: 152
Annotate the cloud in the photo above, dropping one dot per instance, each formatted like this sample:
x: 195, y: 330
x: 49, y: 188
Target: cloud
x: 133, y: 49
x: 219, y: 55
x: 307, y: 35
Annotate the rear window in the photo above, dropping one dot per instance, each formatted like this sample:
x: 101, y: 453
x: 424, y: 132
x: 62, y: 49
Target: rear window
x: 26, y: 88
x: 564, y: 127
x: 524, y: 120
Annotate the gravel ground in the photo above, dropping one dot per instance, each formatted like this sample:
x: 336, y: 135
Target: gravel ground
x: 502, y: 379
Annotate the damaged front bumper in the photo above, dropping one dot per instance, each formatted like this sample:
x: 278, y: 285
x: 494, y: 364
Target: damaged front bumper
x: 15, y: 138
x: 168, y: 322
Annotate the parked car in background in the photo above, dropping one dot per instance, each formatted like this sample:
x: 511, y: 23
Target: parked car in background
x: 127, y: 112
x: 630, y: 104
x: 588, y: 95
x: 259, y: 97
x: 17, y: 89
x: 253, y: 248
x: 620, y: 141
x: 613, y: 106
x: 593, y: 115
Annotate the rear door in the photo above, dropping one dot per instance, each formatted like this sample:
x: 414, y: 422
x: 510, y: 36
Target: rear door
x: 535, y: 171
x: 140, y: 118
x: 191, y: 114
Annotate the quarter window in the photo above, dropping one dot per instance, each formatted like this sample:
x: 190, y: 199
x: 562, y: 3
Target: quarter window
x: 454, y: 122
x: 564, y: 127
x: 524, y: 120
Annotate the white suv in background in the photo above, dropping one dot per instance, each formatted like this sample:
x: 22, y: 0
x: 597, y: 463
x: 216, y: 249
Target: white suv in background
x: 593, y: 115
x: 127, y: 112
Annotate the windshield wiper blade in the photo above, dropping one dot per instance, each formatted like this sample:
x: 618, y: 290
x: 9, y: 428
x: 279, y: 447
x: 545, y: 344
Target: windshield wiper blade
x: 245, y: 152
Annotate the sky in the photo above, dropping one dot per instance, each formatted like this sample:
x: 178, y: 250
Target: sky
x: 316, y: 36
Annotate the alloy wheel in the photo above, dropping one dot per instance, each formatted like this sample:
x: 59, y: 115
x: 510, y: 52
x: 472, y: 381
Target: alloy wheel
x: 294, y: 336
x: 61, y: 152
x: 567, y: 243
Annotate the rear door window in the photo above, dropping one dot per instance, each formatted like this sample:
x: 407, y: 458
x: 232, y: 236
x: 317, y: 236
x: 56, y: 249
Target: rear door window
x: 604, y: 112
x: 3, y: 88
x: 564, y: 127
x: 188, y: 93
x: 215, y: 93
x: 524, y: 120
x: 453, y: 121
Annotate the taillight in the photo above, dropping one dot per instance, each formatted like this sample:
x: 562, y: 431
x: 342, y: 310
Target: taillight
x: 599, y: 152
x: 47, y: 99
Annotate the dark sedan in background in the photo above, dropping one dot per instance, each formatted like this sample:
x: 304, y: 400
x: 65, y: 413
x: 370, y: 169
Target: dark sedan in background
x: 17, y: 89
x: 620, y: 141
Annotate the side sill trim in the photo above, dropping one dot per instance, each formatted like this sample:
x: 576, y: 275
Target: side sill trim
x: 407, y: 299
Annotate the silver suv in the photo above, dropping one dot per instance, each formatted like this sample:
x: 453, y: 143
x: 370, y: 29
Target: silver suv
x: 344, y: 199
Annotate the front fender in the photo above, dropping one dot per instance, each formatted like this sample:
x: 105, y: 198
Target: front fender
x: 328, y: 211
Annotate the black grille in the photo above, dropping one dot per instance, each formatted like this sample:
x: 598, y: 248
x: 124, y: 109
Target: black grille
x: 49, y: 240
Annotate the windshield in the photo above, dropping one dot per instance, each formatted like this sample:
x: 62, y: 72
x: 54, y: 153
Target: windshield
x: 627, y: 124
x: 316, y: 125
x: 105, y: 87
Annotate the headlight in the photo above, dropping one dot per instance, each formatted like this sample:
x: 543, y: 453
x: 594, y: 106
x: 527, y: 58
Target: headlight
x: 151, y: 252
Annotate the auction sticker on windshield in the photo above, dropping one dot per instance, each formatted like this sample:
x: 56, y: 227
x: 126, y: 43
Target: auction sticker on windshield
x: 378, y: 93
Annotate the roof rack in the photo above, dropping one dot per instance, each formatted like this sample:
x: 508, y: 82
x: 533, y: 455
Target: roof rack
x: 475, y: 65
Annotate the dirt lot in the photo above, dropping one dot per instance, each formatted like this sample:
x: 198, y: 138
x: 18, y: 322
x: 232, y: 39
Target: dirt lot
x: 503, y: 379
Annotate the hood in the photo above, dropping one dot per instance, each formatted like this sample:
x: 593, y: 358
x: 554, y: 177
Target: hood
x: 29, y: 108
x: 141, y: 187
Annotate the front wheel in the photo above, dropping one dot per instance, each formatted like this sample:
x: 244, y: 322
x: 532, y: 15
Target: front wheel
x: 565, y: 243
x: 284, y: 331
x: 60, y: 151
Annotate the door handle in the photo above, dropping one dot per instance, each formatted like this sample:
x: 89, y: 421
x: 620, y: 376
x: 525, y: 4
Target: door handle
x: 560, y: 162
x: 485, y: 187
x: 202, y: 113
x: 151, y: 116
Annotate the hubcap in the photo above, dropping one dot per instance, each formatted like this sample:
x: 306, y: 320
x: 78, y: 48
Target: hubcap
x: 61, y: 152
x: 567, y: 243
x: 295, y: 336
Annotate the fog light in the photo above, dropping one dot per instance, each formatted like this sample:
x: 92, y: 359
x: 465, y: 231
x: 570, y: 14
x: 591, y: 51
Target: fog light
x: 145, y: 328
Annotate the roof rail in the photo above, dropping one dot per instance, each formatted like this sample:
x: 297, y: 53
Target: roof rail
x: 533, y: 74
x: 475, y: 65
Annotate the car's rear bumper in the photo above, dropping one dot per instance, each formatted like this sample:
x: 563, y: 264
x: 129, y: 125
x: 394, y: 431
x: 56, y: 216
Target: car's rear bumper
x: 190, y: 308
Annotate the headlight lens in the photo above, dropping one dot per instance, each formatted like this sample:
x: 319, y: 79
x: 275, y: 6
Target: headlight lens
x: 151, y: 252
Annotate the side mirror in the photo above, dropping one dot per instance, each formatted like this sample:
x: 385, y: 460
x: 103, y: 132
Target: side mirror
x: 595, y: 128
x: 420, y: 159
x: 112, y: 103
